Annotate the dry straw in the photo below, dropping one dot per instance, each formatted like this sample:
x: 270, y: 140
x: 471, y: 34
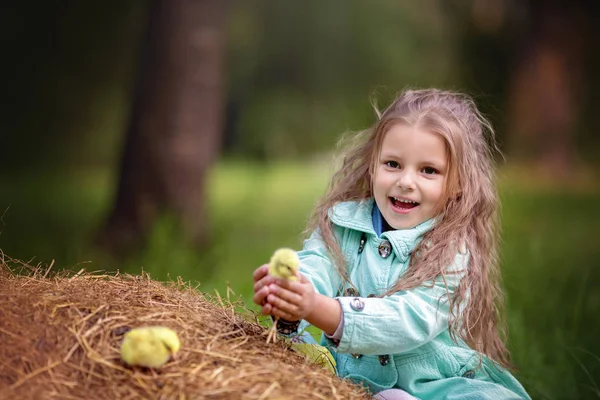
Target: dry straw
x: 60, y: 335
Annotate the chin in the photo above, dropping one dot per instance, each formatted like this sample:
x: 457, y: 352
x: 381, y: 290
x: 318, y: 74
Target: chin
x: 405, y: 226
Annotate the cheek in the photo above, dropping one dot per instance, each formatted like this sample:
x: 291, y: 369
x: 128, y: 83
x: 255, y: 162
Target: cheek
x: 438, y: 195
x: 381, y: 185
x: 378, y: 179
x: 385, y: 177
x: 435, y: 191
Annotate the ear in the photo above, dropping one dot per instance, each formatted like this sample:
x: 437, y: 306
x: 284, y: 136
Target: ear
x: 455, y: 190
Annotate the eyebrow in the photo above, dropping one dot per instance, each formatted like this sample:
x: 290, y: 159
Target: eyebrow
x: 387, y: 155
x: 434, y: 163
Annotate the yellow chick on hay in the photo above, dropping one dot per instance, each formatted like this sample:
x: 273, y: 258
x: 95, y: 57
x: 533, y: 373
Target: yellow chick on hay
x: 149, y: 346
x: 284, y: 264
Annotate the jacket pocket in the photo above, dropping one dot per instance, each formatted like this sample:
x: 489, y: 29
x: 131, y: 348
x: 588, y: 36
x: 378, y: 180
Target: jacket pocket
x: 367, y: 371
x: 485, y: 370
x: 467, y: 362
x: 476, y: 367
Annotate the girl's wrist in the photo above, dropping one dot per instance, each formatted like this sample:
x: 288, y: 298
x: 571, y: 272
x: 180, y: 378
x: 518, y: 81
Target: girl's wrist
x: 326, y: 314
x: 287, y: 327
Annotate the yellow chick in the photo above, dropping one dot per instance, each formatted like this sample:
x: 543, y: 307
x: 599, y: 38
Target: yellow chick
x: 149, y: 346
x: 284, y: 264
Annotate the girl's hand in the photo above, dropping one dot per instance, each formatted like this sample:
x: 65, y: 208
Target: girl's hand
x: 289, y: 300
x: 262, y: 280
x: 295, y: 300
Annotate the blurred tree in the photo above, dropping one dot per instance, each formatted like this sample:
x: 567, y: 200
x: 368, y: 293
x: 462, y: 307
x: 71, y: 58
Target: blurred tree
x: 545, y: 84
x: 175, y: 124
x: 535, y: 56
x: 70, y: 63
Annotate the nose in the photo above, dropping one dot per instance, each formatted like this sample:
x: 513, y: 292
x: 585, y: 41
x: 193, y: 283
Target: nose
x: 406, y: 181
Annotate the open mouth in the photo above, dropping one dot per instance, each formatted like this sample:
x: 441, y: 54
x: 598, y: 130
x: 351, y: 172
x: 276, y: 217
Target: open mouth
x: 403, y: 204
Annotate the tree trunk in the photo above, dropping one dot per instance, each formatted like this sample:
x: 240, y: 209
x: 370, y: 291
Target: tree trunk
x: 175, y: 126
x: 545, y: 89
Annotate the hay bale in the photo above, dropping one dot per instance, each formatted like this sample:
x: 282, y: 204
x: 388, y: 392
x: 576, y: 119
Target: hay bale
x: 60, y: 337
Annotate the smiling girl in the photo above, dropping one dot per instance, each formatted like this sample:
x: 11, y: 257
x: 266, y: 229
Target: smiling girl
x: 401, y: 270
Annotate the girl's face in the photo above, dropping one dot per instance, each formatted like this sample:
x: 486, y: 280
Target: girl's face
x: 410, y: 176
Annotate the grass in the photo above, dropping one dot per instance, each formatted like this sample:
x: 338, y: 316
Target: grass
x: 550, y: 250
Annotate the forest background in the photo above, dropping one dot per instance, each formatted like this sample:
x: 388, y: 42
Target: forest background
x: 192, y: 138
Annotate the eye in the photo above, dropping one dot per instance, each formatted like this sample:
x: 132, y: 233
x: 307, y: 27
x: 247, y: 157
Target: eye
x: 392, y: 164
x: 430, y: 171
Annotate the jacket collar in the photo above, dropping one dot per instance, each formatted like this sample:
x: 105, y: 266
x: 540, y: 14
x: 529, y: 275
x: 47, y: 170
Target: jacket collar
x: 357, y: 215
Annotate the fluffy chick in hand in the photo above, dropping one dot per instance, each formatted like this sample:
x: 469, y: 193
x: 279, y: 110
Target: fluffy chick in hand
x: 150, y: 346
x: 284, y: 264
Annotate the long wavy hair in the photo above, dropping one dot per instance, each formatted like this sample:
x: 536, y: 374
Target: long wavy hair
x: 467, y: 215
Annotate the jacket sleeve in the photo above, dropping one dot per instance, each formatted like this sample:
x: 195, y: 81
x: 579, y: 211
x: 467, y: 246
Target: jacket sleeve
x: 316, y: 266
x: 400, y: 322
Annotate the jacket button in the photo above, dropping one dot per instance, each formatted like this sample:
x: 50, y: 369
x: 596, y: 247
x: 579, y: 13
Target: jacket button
x: 384, y: 360
x: 363, y: 240
x: 385, y: 249
x: 469, y: 374
x: 357, y: 304
x: 355, y: 355
x: 351, y: 292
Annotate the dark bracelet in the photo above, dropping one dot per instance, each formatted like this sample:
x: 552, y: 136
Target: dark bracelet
x: 287, y: 327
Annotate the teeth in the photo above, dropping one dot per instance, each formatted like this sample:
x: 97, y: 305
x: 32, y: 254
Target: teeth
x: 405, y: 201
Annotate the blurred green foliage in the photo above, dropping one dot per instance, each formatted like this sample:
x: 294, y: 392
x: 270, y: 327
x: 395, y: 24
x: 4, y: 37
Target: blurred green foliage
x: 299, y: 75
x: 69, y: 69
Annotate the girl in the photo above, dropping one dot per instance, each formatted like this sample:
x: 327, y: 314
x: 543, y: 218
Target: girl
x: 401, y: 270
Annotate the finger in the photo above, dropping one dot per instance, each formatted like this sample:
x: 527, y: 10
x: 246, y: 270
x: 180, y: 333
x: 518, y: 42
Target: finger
x: 276, y: 312
x: 286, y: 283
x: 288, y: 296
x: 298, y: 286
x: 260, y: 295
x: 302, y: 278
x: 282, y: 305
x: 267, y: 309
x: 260, y: 272
x: 265, y: 281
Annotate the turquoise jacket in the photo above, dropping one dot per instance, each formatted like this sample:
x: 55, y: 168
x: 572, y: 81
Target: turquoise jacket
x: 399, y: 341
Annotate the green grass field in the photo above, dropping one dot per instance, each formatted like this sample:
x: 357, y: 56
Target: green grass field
x: 550, y: 251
